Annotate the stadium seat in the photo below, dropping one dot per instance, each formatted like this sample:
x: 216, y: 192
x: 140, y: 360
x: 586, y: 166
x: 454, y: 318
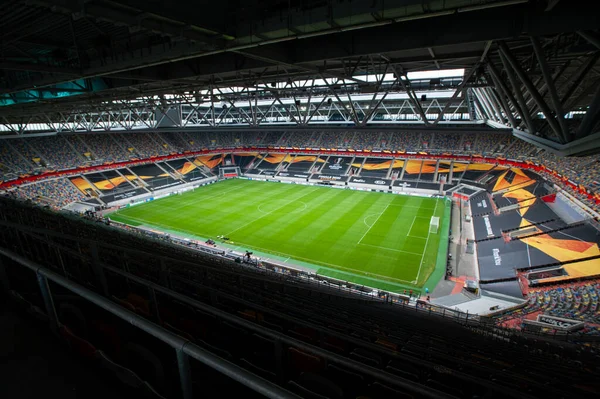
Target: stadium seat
x: 304, y: 362
x: 147, y: 364
x: 350, y: 381
x: 79, y: 345
x: 71, y: 316
x: 311, y: 385
x: 128, y: 377
x: 367, y: 357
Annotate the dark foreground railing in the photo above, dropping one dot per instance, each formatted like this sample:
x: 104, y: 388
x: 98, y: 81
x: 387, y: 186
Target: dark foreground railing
x: 184, y: 349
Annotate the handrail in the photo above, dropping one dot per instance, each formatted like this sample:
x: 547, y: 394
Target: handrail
x: 423, y: 307
x: 231, y: 370
x: 359, y: 367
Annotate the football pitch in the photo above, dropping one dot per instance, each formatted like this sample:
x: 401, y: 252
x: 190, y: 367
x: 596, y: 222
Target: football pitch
x: 375, y: 239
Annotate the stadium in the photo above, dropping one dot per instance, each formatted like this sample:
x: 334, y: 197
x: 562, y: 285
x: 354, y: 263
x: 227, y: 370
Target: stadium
x: 335, y: 199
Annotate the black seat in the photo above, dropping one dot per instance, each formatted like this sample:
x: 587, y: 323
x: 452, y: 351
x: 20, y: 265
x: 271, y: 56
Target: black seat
x: 316, y: 386
x: 366, y: 357
x: 381, y: 391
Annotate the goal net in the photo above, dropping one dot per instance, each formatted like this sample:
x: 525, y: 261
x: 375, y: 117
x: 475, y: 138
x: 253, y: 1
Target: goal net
x: 434, y: 225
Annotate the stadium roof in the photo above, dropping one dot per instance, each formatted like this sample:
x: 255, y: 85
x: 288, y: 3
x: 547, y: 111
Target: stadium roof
x: 530, y: 65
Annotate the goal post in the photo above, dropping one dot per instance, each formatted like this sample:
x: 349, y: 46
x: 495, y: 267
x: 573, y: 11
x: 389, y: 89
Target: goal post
x: 434, y: 224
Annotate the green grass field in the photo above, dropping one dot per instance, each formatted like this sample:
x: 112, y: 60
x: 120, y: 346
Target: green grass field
x: 375, y: 239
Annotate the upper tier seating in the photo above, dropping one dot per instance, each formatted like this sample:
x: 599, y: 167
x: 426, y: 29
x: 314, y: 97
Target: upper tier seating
x: 56, y: 152
x: 20, y: 156
x: 106, y: 147
x: 144, y: 145
x: 55, y: 193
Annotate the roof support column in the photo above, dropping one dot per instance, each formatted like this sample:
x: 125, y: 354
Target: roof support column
x: 505, y: 53
x: 504, y: 94
x: 591, y: 118
x: 458, y: 91
x: 519, y: 96
x: 558, y: 109
x: 411, y: 94
x: 502, y: 106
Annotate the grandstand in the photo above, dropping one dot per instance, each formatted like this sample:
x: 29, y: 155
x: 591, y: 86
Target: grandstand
x: 276, y: 199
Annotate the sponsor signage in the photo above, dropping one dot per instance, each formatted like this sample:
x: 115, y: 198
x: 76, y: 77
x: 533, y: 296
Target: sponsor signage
x: 488, y: 226
x: 558, y: 323
x: 336, y: 163
x: 123, y: 195
x: 268, y: 172
x: 329, y: 177
x: 176, y: 183
x: 497, y: 257
x: 368, y: 180
x: 196, y: 178
x: 286, y: 174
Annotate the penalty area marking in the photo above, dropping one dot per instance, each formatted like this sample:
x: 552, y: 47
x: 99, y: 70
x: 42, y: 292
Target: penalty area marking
x: 367, y: 217
x: 369, y: 229
x: 315, y: 262
x: 390, y: 249
x: 425, y: 249
x: 411, y: 226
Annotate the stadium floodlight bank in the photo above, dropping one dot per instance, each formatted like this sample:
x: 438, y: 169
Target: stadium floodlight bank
x: 434, y: 225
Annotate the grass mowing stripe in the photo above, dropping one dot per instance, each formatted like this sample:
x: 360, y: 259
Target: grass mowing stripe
x: 374, y: 223
x: 391, y: 249
x: 318, y: 225
x: 425, y: 249
x: 268, y: 213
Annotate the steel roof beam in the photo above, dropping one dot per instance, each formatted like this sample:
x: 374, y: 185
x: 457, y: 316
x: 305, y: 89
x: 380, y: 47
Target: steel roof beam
x: 592, y: 116
x: 506, y: 53
x: 558, y: 109
x: 477, y: 26
x: 518, y: 94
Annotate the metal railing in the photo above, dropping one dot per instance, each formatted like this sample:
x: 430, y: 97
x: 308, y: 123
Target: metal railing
x: 400, y: 300
x: 183, y: 347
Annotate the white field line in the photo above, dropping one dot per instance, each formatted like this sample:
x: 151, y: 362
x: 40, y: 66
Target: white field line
x: 374, y: 223
x: 411, y: 226
x: 334, y: 267
x: 195, y: 200
x: 411, y: 206
x: 314, y: 262
x: 368, y: 216
x: 268, y: 213
x: 160, y: 227
x: 425, y: 249
x: 391, y: 249
x: 131, y: 218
